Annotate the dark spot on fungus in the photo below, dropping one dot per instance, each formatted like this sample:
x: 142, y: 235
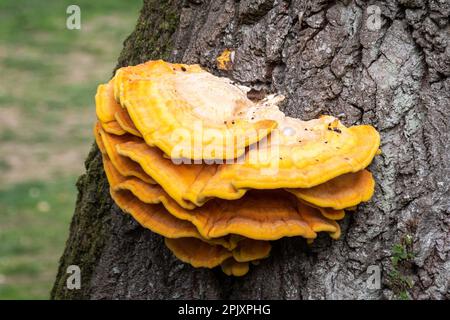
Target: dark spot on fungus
x: 256, y: 95
x: 183, y: 69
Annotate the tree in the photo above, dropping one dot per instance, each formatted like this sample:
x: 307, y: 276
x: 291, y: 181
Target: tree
x: 386, y: 63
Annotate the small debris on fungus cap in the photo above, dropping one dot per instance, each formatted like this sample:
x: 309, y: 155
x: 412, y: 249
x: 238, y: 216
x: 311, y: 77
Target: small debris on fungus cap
x: 211, y: 211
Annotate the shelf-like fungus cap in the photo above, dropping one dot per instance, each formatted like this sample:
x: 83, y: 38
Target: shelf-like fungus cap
x: 324, y: 140
x: 196, y: 183
x: 330, y: 213
x: 250, y: 250
x: 113, y: 127
x: 318, y: 222
x: 261, y: 215
x: 105, y: 104
x: 98, y: 138
x: 301, y: 154
x: 188, y: 112
x: 164, y: 171
x: 233, y: 268
x: 201, y: 254
x: 113, y: 118
x: 154, y: 217
x: 124, y: 165
x: 345, y: 191
x: 125, y: 122
x: 199, y: 183
x: 147, y: 204
x: 198, y: 253
x: 306, y: 154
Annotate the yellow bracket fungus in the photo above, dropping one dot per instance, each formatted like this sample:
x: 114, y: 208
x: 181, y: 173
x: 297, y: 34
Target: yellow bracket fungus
x: 124, y: 121
x: 261, y: 215
x: 105, y: 104
x: 124, y: 165
x: 185, y: 153
x: 198, y: 183
x: 202, y: 254
x: 198, y: 253
x: 98, y: 138
x: 154, y: 216
x: 233, y: 268
x: 113, y: 127
x: 326, y: 155
x: 187, y: 112
x: 342, y: 192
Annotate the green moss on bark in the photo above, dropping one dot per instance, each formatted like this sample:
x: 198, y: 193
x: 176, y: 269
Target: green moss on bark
x: 152, y: 37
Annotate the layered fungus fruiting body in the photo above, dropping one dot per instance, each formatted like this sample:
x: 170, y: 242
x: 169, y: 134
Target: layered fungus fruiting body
x: 189, y: 156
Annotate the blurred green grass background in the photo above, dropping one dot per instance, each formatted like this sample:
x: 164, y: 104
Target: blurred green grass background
x: 49, y: 77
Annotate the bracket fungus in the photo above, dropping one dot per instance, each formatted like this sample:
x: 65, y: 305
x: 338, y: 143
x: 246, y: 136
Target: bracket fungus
x: 220, y: 176
x: 187, y: 112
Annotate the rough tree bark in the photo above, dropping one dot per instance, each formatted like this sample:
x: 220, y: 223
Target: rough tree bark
x: 326, y: 57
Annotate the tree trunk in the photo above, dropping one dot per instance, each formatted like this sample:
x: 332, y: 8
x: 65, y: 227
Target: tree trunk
x: 327, y: 57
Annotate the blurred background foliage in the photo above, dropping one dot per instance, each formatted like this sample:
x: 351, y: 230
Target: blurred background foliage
x: 47, y: 87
